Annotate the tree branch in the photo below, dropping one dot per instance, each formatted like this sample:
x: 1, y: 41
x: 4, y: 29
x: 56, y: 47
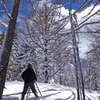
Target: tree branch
x: 5, y: 9
x: 4, y: 24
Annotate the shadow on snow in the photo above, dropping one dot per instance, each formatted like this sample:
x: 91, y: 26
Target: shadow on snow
x: 71, y: 97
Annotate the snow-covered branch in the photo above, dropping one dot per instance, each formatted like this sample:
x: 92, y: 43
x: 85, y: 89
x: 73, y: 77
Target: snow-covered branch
x: 4, y: 24
x: 5, y: 9
x: 2, y: 11
x: 95, y: 22
x: 34, y: 8
x: 89, y: 17
x: 83, y: 5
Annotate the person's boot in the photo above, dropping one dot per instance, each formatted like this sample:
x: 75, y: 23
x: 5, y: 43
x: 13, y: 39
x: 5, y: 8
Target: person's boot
x: 23, y: 95
x: 36, y: 94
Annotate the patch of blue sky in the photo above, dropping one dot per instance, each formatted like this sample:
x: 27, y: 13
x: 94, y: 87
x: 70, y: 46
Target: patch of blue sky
x: 74, y: 5
x: 78, y: 3
x: 8, y: 7
x: 2, y: 29
x: 24, y: 7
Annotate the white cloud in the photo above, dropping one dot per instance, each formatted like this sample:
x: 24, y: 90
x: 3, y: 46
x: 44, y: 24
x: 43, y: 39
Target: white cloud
x: 42, y: 2
x: 64, y: 11
x: 84, y: 42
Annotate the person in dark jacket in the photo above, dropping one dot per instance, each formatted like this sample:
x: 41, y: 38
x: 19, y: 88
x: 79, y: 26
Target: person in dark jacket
x: 29, y: 78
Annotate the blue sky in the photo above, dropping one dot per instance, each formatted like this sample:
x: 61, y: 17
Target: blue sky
x: 83, y: 46
x: 26, y: 5
x: 78, y: 3
x: 74, y: 5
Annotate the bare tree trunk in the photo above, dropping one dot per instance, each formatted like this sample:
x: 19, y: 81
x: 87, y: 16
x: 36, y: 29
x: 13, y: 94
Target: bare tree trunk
x: 46, y: 50
x: 77, y: 63
x: 7, y: 45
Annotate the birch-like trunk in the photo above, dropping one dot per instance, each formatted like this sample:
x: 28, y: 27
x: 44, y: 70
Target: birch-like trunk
x: 77, y: 63
x: 7, y: 45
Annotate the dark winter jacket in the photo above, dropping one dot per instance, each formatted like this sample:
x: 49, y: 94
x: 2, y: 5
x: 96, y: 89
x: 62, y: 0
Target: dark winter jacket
x: 29, y: 76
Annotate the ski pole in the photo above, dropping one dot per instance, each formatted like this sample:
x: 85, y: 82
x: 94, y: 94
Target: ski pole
x: 38, y: 89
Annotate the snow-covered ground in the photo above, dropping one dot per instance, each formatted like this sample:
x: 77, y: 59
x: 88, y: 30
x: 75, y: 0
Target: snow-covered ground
x: 49, y: 92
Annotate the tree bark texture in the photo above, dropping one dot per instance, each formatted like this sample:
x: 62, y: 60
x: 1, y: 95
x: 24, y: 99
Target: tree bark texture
x: 7, y: 45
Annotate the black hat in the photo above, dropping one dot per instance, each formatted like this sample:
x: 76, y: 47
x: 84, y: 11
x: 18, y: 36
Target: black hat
x: 29, y: 65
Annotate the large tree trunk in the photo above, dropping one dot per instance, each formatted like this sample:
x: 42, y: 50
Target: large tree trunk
x: 6, y: 47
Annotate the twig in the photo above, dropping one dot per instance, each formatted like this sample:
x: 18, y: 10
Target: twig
x: 5, y: 9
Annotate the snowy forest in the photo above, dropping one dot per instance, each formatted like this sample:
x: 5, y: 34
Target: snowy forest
x: 60, y: 38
